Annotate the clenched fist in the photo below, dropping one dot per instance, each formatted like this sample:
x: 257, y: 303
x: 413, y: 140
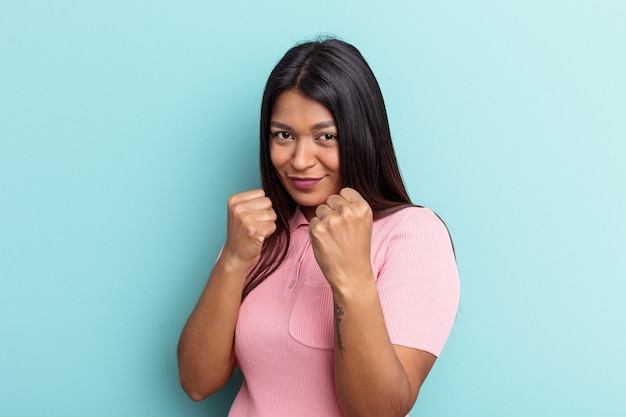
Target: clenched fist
x: 341, y: 234
x: 251, y: 220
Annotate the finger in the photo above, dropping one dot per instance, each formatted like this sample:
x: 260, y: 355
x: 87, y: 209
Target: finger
x: 259, y: 203
x: 266, y: 229
x: 312, y: 225
x: 267, y: 216
x: 335, y: 201
x: 246, y: 196
x: 322, y: 211
x: 260, y: 225
x: 259, y: 217
x: 351, y: 195
x: 248, y: 206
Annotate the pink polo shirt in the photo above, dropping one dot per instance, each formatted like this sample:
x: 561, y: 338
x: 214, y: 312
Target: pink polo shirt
x: 284, y: 336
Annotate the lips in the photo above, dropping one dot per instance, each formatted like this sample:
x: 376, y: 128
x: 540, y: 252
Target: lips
x: 305, y: 183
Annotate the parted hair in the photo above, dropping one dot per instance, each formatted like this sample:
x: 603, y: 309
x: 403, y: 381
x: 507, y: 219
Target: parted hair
x: 335, y: 74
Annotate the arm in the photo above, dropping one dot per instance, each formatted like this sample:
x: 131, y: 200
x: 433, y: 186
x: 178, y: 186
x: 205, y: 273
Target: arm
x: 206, y: 356
x: 372, y: 376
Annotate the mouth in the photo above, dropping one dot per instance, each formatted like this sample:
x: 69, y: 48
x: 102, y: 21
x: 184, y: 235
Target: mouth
x: 305, y: 183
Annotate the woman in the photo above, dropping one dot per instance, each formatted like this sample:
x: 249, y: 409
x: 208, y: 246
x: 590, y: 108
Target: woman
x: 333, y: 293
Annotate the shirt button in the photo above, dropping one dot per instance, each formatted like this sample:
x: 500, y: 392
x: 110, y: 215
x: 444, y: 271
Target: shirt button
x: 291, y: 284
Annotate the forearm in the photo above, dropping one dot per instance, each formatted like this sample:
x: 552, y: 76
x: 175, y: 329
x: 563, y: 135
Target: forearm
x: 369, y: 378
x: 205, y: 350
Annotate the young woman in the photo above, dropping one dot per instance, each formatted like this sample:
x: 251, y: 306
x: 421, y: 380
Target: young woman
x: 333, y: 293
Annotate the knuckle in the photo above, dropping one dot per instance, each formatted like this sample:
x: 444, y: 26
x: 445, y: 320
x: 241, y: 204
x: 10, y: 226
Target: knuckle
x: 232, y: 200
x: 320, y: 227
x: 362, y: 206
x: 237, y: 209
x: 252, y: 230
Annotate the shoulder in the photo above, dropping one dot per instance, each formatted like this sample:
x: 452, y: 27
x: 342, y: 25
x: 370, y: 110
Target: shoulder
x: 412, y: 234
x: 414, y: 220
x: 417, y: 278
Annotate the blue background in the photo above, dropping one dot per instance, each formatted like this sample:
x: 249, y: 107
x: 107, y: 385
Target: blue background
x: 124, y: 126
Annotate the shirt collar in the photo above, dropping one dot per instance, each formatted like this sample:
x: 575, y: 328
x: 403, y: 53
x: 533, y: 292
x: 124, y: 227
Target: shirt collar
x: 297, y: 220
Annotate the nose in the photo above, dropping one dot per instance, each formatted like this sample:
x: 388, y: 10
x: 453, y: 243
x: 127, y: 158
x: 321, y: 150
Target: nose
x: 303, y: 155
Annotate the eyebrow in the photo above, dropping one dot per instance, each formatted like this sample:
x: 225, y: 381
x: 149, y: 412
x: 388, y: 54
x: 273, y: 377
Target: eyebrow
x: 321, y: 125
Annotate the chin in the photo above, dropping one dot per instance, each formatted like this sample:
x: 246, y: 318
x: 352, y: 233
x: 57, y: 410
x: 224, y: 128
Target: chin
x: 308, y: 203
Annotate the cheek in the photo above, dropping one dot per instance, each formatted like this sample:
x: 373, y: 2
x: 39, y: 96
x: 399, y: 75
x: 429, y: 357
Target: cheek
x: 334, y: 161
x: 279, y: 157
x: 274, y: 156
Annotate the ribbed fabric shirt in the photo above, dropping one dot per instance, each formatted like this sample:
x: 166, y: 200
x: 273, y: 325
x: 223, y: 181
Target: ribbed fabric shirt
x: 284, y: 339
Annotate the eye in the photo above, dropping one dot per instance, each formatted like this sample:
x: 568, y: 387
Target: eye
x: 327, y: 137
x: 282, y: 135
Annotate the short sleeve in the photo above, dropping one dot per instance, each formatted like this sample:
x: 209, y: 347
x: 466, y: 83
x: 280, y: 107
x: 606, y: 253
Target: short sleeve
x: 418, y: 280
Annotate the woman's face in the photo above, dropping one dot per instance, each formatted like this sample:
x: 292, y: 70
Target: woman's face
x: 304, y: 150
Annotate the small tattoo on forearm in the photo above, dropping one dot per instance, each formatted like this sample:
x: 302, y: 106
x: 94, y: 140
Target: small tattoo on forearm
x: 338, y: 314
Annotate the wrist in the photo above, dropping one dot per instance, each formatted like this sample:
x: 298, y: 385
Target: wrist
x: 230, y: 263
x: 359, y: 290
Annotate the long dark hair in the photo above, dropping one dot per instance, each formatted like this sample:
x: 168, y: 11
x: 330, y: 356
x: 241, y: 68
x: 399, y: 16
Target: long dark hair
x: 334, y: 73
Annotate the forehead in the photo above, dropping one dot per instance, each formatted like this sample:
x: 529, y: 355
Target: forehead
x: 293, y: 107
